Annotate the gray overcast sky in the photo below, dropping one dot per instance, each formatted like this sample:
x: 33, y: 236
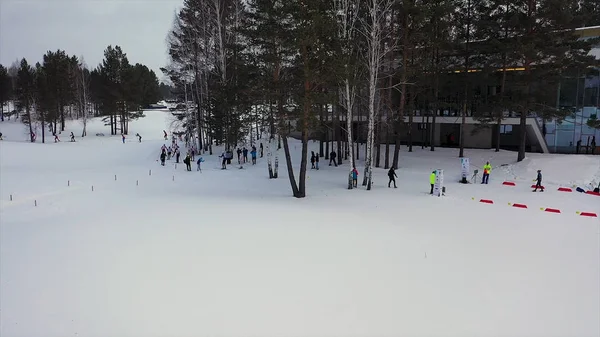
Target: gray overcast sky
x: 29, y: 28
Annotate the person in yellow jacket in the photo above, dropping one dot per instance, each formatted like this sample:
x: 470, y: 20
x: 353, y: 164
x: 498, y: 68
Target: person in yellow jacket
x: 432, y: 181
x: 487, y: 169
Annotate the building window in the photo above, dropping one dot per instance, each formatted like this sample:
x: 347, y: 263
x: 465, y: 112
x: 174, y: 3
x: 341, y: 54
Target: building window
x: 506, y: 129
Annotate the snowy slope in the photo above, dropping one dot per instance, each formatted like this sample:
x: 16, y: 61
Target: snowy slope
x: 161, y: 251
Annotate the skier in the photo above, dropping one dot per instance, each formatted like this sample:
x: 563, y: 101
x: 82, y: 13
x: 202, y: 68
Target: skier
x: 245, y: 152
x: 169, y: 153
x: 72, y: 137
x: 332, y: 156
x: 188, y: 162
x: 224, y: 162
x: 239, y: 153
x: 139, y: 137
x: 354, y: 177
x: 200, y: 160
x: 165, y: 134
x: 253, y: 154
x: 312, y: 159
x: 123, y: 135
x: 432, y: 181
x: 392, y: 175
x: 487, y: 169
x: 177, y: 154
x: 163, y: 156
x: 55, y: 137
x: 538, y: 180
x: 317, y: 162
x: 261, y: 150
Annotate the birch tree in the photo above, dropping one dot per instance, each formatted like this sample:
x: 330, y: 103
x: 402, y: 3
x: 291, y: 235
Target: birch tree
x: 347, y: 17
x: 378, y: 15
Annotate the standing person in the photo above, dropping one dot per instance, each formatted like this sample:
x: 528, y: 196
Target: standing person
x: 177, y: 155
x: 253, y: 154
x: 72, y: 137
x: 261, y: 150
x: 123, y: 136
x: 55, y: 137
x: 332, y: 156
x: 317, y: 162
x: 578, y: 147
x: 245, y: 152
x: 239, y: 153
x: 487, y: 169
x: 193, y: 152
x: 139, y: 137
x: 224, y: 162
x: 354, y: 177
x: 200, y: 160
x: 169, y: 151
x: 188, y: 162
x: 538, y: 180
x: 392, y: 175
x: 432, y: 181
x: 312, y: 159
x: 163, y: 156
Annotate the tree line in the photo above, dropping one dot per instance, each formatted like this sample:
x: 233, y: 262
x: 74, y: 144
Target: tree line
x: 62, y: 87
x: 315, y: 66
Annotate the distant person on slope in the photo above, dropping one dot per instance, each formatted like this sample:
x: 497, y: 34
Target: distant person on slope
x: 245, y: 152
x: 169, y: 151
x: 354, y: 177
x: 432, y: 181
x: 312, y: 159
x: 177, y: 155
x: 123, y: 135
x: 261, y: 150
x: 163, y: 156
x: 392, y: 175
x: 332, y: 157
x: 139, y: 137
x: 253, y: 154
x: 165, y: 135
x: 224, y: 162
x: 188, y: 162
x: 317, y: 162
x: 239, y: 153
x: 538, y: 181
x: 200, y: 160
x: 487, y: 169
x: 1, y: 136
x: 72, y: 137
x: 55, y: 137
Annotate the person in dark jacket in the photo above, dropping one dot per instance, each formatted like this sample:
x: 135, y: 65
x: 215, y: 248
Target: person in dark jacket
x: 188, y: 162
x: 239, y: 153
x: 392, y: 175
x: 245, y: 153
x: 317, y: 162
x: 261, y: 150
x: 312, y: 159
x: 538, y: 183
x: 177, y: 155
x: 332, y: 156
x: 163, y: 156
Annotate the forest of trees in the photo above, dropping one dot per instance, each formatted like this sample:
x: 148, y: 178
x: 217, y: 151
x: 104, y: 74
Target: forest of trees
x: 62, y: 87
x: 312, y: 66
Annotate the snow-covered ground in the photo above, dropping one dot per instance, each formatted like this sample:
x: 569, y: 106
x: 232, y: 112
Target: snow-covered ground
x: 166, y: 252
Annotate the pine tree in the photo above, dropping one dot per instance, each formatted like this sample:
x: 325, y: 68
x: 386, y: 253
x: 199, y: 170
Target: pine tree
x: 6, y: 89
x: 25, y: 94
